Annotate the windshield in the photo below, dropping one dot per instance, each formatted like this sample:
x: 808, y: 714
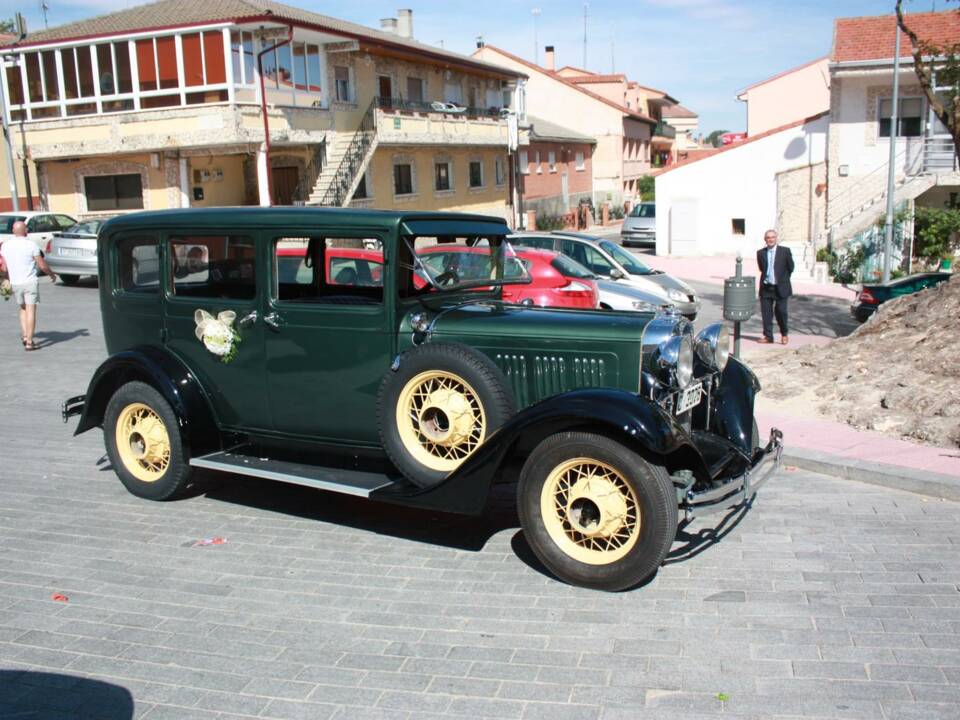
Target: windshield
x: 629, y: 261
x: 644, y: 210
x: 455, y: 263
x: 571, y: 268
x: 7, y: 221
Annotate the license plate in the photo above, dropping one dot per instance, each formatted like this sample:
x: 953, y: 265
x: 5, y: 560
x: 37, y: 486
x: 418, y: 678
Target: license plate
x: 75, y: 252
x: 689, y: 398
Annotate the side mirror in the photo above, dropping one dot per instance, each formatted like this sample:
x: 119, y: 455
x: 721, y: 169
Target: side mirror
x: 616, y: 274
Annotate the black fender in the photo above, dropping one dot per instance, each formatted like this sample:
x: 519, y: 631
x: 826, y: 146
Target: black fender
x: 169, y: 376
x: 734, y: 400
x: 639, y: 423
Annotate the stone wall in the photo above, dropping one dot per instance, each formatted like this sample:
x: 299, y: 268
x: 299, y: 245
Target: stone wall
x: 801, y: 204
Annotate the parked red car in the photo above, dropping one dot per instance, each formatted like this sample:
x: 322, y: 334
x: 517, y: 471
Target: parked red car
x: 345, y: 266
x: 557, y: 281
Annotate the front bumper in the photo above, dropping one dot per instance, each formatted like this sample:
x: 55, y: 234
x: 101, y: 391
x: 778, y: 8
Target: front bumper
x: 638, y: 236
x: 72, y: 406
x: 737, y: 490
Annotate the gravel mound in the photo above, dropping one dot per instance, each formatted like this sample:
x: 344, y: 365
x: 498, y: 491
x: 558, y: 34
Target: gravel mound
x: 898, y: 373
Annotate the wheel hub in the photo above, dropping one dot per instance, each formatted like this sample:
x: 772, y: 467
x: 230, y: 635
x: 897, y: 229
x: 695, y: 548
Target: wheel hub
x: 143, y: 442
x: 447, y: 418
x: 596, y: 507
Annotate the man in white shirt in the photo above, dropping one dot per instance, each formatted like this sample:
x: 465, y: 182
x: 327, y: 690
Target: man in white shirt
x: 20, y: 258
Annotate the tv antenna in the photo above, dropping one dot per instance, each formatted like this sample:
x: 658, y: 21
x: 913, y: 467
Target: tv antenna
x: 536, y: 52
x: 585, y: 6
x: 43, y: 9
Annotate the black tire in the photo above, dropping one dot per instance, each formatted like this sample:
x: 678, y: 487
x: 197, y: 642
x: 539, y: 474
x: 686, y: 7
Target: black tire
x: 691, y: 317
x: 480, y: 391
x: 156, y: 475
x: 69, y: 279
x: 634, y: 549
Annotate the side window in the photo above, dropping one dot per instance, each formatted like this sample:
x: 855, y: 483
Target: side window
x: 64, y: 221
x: 597, y: 262
x: 45, y: 223
x: 330, y: 271
x: 213, y: 266
x: 138, y: 265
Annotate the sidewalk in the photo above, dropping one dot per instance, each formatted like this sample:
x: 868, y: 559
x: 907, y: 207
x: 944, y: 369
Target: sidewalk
x: 832, y: 443
x: 715, y: 269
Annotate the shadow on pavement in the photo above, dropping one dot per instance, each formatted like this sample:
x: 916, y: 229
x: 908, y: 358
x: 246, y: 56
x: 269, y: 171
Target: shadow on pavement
x: 705, y: 538
x: 463, y: 532
x: 808, y: 314
x: 25, y: 695
x: 52, y: 337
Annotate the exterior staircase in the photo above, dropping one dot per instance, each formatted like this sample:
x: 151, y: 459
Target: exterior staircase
x: 347, y: 161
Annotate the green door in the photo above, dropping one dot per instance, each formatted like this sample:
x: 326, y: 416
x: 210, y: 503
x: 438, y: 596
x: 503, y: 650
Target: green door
x: 209, y: 279
x: 328, y: 341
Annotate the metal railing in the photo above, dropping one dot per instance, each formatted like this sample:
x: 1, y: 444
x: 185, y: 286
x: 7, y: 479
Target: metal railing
x: 844, y: 205
x: 352, y: 160
x: 444, y: 108
x: 939, y: 155
x: 309, y: 177
x: 661, y: 129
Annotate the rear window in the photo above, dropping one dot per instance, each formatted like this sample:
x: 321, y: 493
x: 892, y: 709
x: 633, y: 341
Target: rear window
x: 7, y: 221
x: 570, y: 268
x: 644, y: 210
x: 139, y: 265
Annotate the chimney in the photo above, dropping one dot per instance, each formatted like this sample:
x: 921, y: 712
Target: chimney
x: 405, y: 23
x: 548, y: 59
x: 388, y: 25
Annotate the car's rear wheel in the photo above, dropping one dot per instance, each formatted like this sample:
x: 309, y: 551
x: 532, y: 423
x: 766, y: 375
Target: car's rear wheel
x: 595, y: 512
x: 143, y: 442
x: 438, y: 407
x: 69, y: 279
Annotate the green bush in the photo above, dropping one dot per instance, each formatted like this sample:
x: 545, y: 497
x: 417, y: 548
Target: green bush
x: 616, y: 212
x: 548, y: 223
x: 648, y: 187
x: 824, y: 254
x: 846, y: 266
x: 937, y: 232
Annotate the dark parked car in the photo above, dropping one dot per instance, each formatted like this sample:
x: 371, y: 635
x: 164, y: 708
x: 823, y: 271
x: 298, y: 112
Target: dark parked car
x: 873, y: 296
x: 611, y: 425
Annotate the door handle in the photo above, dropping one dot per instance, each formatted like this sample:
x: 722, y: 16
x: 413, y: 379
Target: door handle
x: 273, y: 320
x: 249, y: 319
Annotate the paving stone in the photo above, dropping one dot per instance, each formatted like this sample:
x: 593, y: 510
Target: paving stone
x: 828, y: 599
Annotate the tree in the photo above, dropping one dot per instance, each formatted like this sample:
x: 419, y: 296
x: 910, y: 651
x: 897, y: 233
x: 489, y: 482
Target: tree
x: 8, y: 26
x: 648, y: 188
x: 939, y: 76
x: 713, y: 138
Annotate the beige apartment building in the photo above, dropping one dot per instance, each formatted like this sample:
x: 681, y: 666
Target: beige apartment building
x: 589, y: 105
x: 186, y: 104
x: 797, y: 93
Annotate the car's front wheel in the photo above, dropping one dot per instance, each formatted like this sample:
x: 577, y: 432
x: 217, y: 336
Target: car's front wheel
x: 595, y: 512
x: 143, y: 442
x: 68, y: 279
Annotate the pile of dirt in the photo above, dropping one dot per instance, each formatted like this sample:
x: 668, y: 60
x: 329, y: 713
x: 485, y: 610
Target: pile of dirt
x: 898, y: 373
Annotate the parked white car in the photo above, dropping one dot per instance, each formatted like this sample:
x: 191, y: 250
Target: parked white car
x: 41, y: 226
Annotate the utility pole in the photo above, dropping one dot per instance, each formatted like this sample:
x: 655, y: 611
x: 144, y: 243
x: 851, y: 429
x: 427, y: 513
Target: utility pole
x: 585, y: 6
x: 536, y: 48
x: 891, y: 169
x: 613, y: 57
x: 7, y: 140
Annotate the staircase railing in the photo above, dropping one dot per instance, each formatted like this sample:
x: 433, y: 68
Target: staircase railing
x: 866, y: 187
x: 939, y: 155
x: 311, y: 173
x: 356, y: 151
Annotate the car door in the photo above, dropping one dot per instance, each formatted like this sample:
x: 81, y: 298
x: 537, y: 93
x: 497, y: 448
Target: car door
x: 328, y: 340
x: 587, y: 256
x: 213, y: 319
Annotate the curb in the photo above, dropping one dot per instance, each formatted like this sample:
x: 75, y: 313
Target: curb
x: 912, y: 480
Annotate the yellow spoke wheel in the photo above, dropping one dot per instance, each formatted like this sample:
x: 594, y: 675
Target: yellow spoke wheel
x: 142, y: 442
x: 440, y: 419
x: 590, y: 511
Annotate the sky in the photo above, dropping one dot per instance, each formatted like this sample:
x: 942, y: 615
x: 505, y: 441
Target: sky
x: 702, y: 52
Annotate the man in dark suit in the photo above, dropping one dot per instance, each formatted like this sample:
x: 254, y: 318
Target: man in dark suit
x: 776, y: 266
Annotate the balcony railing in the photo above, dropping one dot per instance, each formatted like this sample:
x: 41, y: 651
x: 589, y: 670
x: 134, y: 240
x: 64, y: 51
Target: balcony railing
x: 661, y: 129
x: 939, y: 155
x: 445, y: 108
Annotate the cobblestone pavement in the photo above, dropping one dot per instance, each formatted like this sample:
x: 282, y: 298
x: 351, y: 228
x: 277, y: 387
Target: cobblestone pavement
x: 829, y: 599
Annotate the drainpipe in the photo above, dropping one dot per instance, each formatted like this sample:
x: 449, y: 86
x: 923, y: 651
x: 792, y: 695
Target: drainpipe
x: 11, y: 167
x: 263, y: 106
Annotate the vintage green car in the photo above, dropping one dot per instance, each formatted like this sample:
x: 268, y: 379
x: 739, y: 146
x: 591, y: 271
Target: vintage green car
x: 314, y: 346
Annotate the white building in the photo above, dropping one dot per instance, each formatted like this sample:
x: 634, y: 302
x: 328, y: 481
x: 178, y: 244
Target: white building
x: 722, y: 203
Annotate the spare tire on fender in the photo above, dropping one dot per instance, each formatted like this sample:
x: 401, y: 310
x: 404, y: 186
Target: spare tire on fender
x: 438, y: 407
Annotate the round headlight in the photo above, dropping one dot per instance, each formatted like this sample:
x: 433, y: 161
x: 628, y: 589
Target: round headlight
x: 675, y: 356
x: 676, y: 295
x: 722, y: 352
x: 644, y: 306
x: 685, y: 362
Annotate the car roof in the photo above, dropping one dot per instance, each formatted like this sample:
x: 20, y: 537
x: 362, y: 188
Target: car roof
x: 279, y: 217
x: 577, y: 236
x: 27, y: 213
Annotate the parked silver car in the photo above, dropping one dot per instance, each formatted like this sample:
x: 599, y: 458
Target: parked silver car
x: 609, y: 260
x: 640, y: 225
x: 73, y: 252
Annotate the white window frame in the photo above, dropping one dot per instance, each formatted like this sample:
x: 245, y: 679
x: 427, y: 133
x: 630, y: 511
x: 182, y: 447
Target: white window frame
x: 900, y: 117
x: 351, y: 93
x: 404, y: 160
x: 499, y: 175
x: 449, y: 163
x: 537, y: 163
x: 581, y: 164
x: 524, y: 161
x: 552, y: 160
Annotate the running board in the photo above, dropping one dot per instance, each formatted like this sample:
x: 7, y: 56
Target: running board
x: 349, y: 482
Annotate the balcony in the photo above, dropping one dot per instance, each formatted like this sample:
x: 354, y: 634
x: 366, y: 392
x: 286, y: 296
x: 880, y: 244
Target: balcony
x: 409, y: 122
x: 663, y: 133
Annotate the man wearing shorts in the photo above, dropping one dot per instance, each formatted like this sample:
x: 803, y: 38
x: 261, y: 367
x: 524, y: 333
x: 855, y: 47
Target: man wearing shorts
x: 20, y: 257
